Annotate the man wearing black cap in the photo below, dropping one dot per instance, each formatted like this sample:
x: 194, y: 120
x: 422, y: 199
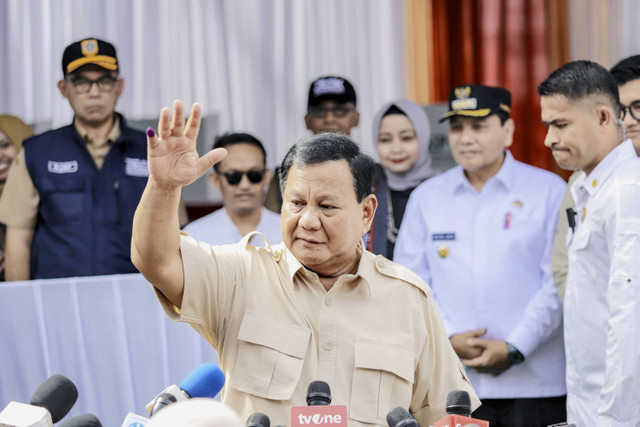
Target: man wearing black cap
x: 331, y: 107
x: 70, y: 198
x: 480, y: 235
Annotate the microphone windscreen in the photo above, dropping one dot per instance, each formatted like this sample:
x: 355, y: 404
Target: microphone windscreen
x: 57, y: 395
x: 84, y: 420
x: 458, y: 403
x: 258, y: 419
x: 318, y: 393
x: 400, y: 417
x: 205, y: 381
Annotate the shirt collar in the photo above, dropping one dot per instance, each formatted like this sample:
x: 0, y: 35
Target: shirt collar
x: 112, y: 137
x: 592, y: 182
x: 365, y: 267
x: 505, y: 175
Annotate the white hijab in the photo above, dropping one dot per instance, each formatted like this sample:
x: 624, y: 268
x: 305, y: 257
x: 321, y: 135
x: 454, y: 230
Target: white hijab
x: 422, y: 169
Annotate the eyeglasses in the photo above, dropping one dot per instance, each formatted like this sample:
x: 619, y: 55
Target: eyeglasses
x: 337, y: 110
x: 83, y: 85
x: 634, y: 110
x: 254, y: 176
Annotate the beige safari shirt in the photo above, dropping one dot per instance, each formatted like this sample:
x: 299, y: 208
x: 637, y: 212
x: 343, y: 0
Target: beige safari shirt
x: 375, y: 337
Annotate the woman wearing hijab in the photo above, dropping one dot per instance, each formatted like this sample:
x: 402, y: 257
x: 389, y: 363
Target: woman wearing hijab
x: 12, y: 132
x: 401, y: 131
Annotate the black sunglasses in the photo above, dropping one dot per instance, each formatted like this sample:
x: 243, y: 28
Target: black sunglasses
x: 234, y: 178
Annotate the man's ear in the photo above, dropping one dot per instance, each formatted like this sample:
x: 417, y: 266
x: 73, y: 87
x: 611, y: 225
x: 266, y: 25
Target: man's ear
x: 605, y: 115
x: 356, y: 119
x: 119, y: 86
x: 369, y: 206
x: 62, y: 87
x: 214, y: 179
x: 509, y: 128
x: 307, y: 121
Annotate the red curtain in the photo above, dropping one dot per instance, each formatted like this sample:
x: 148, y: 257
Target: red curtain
x: 510, y: 43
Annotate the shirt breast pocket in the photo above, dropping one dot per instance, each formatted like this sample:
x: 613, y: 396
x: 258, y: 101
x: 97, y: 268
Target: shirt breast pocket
x: 62, y: 199
x: 270, y: 357
x: 382, y: 380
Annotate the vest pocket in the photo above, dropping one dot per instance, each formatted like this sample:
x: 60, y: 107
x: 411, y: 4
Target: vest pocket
x: 382, y: 380
x: 270, y: 357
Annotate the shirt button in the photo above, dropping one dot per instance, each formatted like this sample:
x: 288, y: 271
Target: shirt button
x: 380, y: 264
x: 327, y: 302
x: 328, y: 346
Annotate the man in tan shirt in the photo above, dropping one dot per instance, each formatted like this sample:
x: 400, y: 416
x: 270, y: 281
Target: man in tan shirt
x: 317, y: 307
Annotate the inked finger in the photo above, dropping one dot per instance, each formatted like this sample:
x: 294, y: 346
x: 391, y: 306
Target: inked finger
x: 177, y: 122
x: 164, y: 123
x: 193, y: 125
x: 152, y: 138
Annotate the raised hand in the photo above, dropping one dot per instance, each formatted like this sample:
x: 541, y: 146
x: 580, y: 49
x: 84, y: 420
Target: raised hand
x: 172, y: 155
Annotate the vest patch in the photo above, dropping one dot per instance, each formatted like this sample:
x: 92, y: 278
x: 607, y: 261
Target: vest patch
x: 62, y: 167
x: 136, y: 167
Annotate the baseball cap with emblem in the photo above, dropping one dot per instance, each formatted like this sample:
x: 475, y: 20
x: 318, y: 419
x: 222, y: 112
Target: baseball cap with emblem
x: 89, y: 51
x: 478, y: 101
x: 331, y: 88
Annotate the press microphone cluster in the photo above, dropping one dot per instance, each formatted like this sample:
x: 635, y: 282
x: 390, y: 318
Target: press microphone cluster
x: 51, y: 402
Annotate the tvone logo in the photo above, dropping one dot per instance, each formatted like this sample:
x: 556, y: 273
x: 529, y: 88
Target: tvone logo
x: 317, y: 419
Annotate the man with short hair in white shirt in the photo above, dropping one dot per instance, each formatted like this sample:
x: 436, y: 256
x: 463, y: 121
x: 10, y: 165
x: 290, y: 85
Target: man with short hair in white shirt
x: 581, y: 108
x: 243, y: 179
x: 480, y: 235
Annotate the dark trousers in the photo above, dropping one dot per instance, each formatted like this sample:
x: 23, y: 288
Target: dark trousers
x: 540, y: 412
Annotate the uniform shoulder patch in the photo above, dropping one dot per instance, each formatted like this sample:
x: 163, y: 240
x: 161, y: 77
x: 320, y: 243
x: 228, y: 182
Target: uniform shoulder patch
x: 391, y: 269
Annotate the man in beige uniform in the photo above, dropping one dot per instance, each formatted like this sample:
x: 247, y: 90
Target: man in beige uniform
x: 317, y: 307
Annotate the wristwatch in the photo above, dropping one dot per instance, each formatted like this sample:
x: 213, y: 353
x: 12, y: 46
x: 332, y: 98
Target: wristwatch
x: 514, y: 356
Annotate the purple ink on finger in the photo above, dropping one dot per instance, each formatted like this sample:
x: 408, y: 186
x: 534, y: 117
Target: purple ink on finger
x: 151, y: 133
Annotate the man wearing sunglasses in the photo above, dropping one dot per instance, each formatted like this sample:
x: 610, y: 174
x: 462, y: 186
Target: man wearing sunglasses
x: 242, y: 178
x: 70, y: 198
x: 627, y: 75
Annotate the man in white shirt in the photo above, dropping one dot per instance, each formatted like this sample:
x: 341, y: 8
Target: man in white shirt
x: 243, y: 179
x: 581, y: 107
x: 480, y: 235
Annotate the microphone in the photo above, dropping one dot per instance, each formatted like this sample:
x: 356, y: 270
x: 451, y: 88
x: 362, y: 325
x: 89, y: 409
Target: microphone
x: 84, y: 420
x: 459, y: 412
x: 318, y: 411
x: 49, y: 404
x: 458, y: 403
x: 258, y: 419
x: 318, y: 394
x: 57, y: 395
x: 400, y: 417
x: 205, y: 381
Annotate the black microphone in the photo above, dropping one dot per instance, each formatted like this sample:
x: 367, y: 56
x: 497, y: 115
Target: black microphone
x: 57, y: 395
x: 571, y: 217
x: 84, y: 420
x: 400, y: 417
x: 318, y: 394
x: 258, y: 419
x: 161, y: 401
x: 458, y: 403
